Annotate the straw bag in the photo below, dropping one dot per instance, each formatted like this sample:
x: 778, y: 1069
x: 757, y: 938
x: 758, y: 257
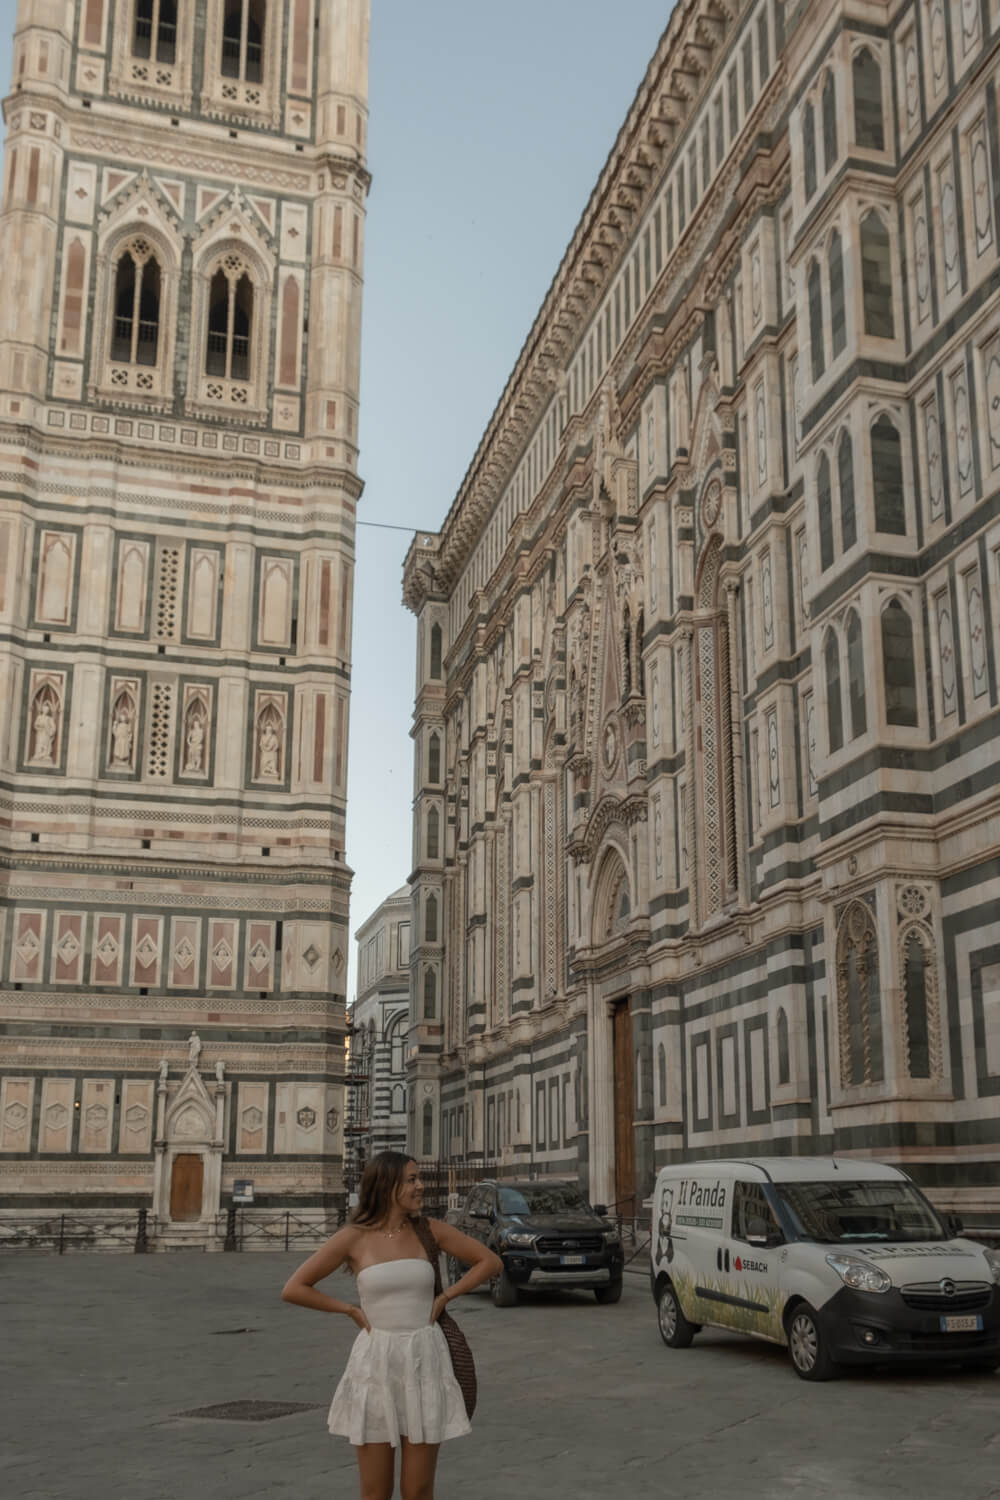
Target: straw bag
x: 461, y: 1355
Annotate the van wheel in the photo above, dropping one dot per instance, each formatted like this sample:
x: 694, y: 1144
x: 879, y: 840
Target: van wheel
x: 503, y: 1291
x: 675, y: 1330
x: 807, y: 1346
x: 610, y: 1293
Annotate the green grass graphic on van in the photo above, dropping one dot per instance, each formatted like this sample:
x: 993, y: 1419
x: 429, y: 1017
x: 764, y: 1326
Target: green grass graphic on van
x: 739, y: 1319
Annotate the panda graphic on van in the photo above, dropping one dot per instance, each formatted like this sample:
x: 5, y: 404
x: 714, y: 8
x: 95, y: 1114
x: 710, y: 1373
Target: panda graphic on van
x: 664, y: 1230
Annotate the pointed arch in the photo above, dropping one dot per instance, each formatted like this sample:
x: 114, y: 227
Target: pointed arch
x: 838, y: 319
x: 859, y: 1005
x: 887, y: 477
x: 856, y: 675
x: 784, y: 1053
x: 817, y: 352
x: 866, y: 78
x: 824, y: 506
x: 434, y: 758
x: 809, y: 150
x: 834, y: 703
x: 612, y: 903
x: 829, y: 108
x: 899, y: 670
x: 845, y: 483
x: 876, y: 276
x: 920, y: 1013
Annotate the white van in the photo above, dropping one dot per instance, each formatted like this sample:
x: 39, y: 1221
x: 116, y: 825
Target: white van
x: 844, y: 1261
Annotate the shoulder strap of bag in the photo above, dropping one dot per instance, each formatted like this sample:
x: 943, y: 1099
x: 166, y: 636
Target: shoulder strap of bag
x: 425, y: 1235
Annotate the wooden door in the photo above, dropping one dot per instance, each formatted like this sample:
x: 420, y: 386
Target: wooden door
x: 187, y: 1181
x: 624, y: 1106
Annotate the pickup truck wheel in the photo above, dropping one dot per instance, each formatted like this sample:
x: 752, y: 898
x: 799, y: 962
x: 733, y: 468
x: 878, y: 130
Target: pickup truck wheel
x: 807, y: 1346
x: 610, y: 1293
x: 503, y: 1291
x: 675, y: 1330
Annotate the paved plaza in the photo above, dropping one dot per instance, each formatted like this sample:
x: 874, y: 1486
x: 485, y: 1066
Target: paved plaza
x: 577, y: 1400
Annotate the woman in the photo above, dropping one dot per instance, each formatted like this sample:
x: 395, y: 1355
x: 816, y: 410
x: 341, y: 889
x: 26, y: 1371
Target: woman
x: 399, y: 1389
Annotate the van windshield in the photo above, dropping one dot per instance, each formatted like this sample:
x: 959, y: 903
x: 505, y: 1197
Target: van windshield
x: 833, y: 1213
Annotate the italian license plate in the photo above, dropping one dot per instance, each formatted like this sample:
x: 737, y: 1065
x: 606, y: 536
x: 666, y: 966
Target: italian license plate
x: 970, y: 1323
x: 572, y: 1260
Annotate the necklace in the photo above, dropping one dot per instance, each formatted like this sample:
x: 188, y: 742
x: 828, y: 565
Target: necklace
x: 391, y: 1234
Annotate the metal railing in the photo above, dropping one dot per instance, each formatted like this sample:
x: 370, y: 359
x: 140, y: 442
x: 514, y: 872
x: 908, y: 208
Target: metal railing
x: 273, y: 1231
x: 62, y: 1232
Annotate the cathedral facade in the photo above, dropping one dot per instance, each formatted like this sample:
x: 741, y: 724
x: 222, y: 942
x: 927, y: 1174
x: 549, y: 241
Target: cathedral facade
x: 182, y: 234
x: 707, y: 825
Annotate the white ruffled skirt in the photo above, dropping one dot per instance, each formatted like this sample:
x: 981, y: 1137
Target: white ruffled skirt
x: 399, y: 1385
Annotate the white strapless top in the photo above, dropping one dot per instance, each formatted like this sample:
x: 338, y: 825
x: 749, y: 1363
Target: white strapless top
x: 397, y: 1295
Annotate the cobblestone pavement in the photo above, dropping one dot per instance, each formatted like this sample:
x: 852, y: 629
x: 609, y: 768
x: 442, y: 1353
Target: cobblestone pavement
x: 105, y: 1352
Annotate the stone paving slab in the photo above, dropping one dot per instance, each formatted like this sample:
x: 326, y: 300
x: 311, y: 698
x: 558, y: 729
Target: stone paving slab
x: 577, y: 1401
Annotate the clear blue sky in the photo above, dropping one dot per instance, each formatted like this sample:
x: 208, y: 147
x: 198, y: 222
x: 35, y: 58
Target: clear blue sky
x: 489, y: 128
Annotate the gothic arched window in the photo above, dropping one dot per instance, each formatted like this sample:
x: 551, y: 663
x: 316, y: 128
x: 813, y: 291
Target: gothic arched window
x: 230, y: 321
x: 243, y: 40
x: 719, y: 870
x: 640, y: 672
x: 834, y: 705
x: 824, y: 503
x: 856, y: 675
x: 867, y: 79
x: 829, y: 122
x: 887, y: 477
x: 838, y: 322
x: 809, y: 151
x: 430, y: 994
x: 661, y: 1067
x: 434, y: 758
x: 815, y: 294
x: 136, y: 333
x: 433, y: 834
x: 427, y: 1129
x: 876, y: 276
x: 431, y: 920
x: 899, y: 670
x: 859, y: 1005
x: 155, y: 32
x: 436, y: 645
x: 626, y: 652
x: 784, y: 1056
x: 845, y: 481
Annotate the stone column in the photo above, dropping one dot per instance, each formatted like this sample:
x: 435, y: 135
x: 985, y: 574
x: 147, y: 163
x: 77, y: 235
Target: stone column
x: 601, y: 1091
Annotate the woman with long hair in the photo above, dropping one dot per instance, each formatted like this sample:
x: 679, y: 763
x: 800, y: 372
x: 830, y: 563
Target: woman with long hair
x: 399, y: 1389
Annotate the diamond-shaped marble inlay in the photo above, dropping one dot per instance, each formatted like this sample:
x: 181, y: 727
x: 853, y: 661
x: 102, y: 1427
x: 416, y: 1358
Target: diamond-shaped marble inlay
x: 96, y: 1117
x: 311, y: 956
x: 135, y: 1117
x: 15, y: 1116
x: 184, y: 954
x: 107, y: 949
x: 222, y: 954
x: 146, y: 951
x: 56, y: 1116
x: 259, y: 957
x: 27, y: 947
x: 68, y: 947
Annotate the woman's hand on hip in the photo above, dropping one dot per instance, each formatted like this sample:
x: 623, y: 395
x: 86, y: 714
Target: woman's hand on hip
x: 440, y: 1303
x: 357, y: 1316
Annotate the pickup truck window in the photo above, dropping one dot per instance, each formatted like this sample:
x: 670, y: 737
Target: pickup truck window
x: 542, y: 1200
x: 480, y: 1201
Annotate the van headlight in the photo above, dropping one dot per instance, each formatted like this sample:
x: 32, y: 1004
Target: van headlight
x: 993, y: 1261
x: 859, y: 1274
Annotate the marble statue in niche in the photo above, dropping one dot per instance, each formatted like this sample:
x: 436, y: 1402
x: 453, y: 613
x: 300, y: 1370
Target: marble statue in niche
x: 194, y: 737
x: 123, y: 734
x: 194, y: 1049
x: 269, y: 746
x: 44, y: 727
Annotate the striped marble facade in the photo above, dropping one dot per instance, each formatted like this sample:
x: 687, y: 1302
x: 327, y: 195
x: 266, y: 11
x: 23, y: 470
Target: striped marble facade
x: 182, y: 235
x: 707, y: 817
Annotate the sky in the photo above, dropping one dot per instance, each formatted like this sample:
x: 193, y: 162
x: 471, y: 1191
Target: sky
x: 489, y: 127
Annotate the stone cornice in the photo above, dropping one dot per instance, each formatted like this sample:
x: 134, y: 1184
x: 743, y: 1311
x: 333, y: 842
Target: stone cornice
x: 632, y: 175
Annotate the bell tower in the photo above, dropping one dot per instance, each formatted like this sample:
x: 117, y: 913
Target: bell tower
x: 182, y: 233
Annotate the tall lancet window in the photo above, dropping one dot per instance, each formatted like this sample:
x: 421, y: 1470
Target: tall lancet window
x: 859, y: 1003
x: 136, y: 332
x: 718, y: 860
x: 230, y: 322
x: 243, y: 40
x: 155, y: 32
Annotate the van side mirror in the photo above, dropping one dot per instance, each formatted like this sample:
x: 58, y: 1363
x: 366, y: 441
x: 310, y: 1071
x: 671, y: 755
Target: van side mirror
x: 955, y: 1225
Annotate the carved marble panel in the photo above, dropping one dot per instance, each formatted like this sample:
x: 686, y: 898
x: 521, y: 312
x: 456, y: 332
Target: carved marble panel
x: 56, y: 563
x: 17, y: 1102
x: 223, y: 950
x: 184, y: 961
x: 135, y: 1125
x: 948, y: 210
x: 108, y: 952
x: 991, y: 377
x: 27, y: 948
x: 259, y: 972
x: 933, y: 456
x: 946, y: 652
x: 958, y: 384
x: 147, y: 951
x: 252, y: 1104
x: 97, y: 1114
x: 69, y: 943
x: 132, y: 586
x: 56, y: 1115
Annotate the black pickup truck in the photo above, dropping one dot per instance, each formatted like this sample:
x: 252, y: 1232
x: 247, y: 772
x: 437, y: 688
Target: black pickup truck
x: 546, y: 1234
